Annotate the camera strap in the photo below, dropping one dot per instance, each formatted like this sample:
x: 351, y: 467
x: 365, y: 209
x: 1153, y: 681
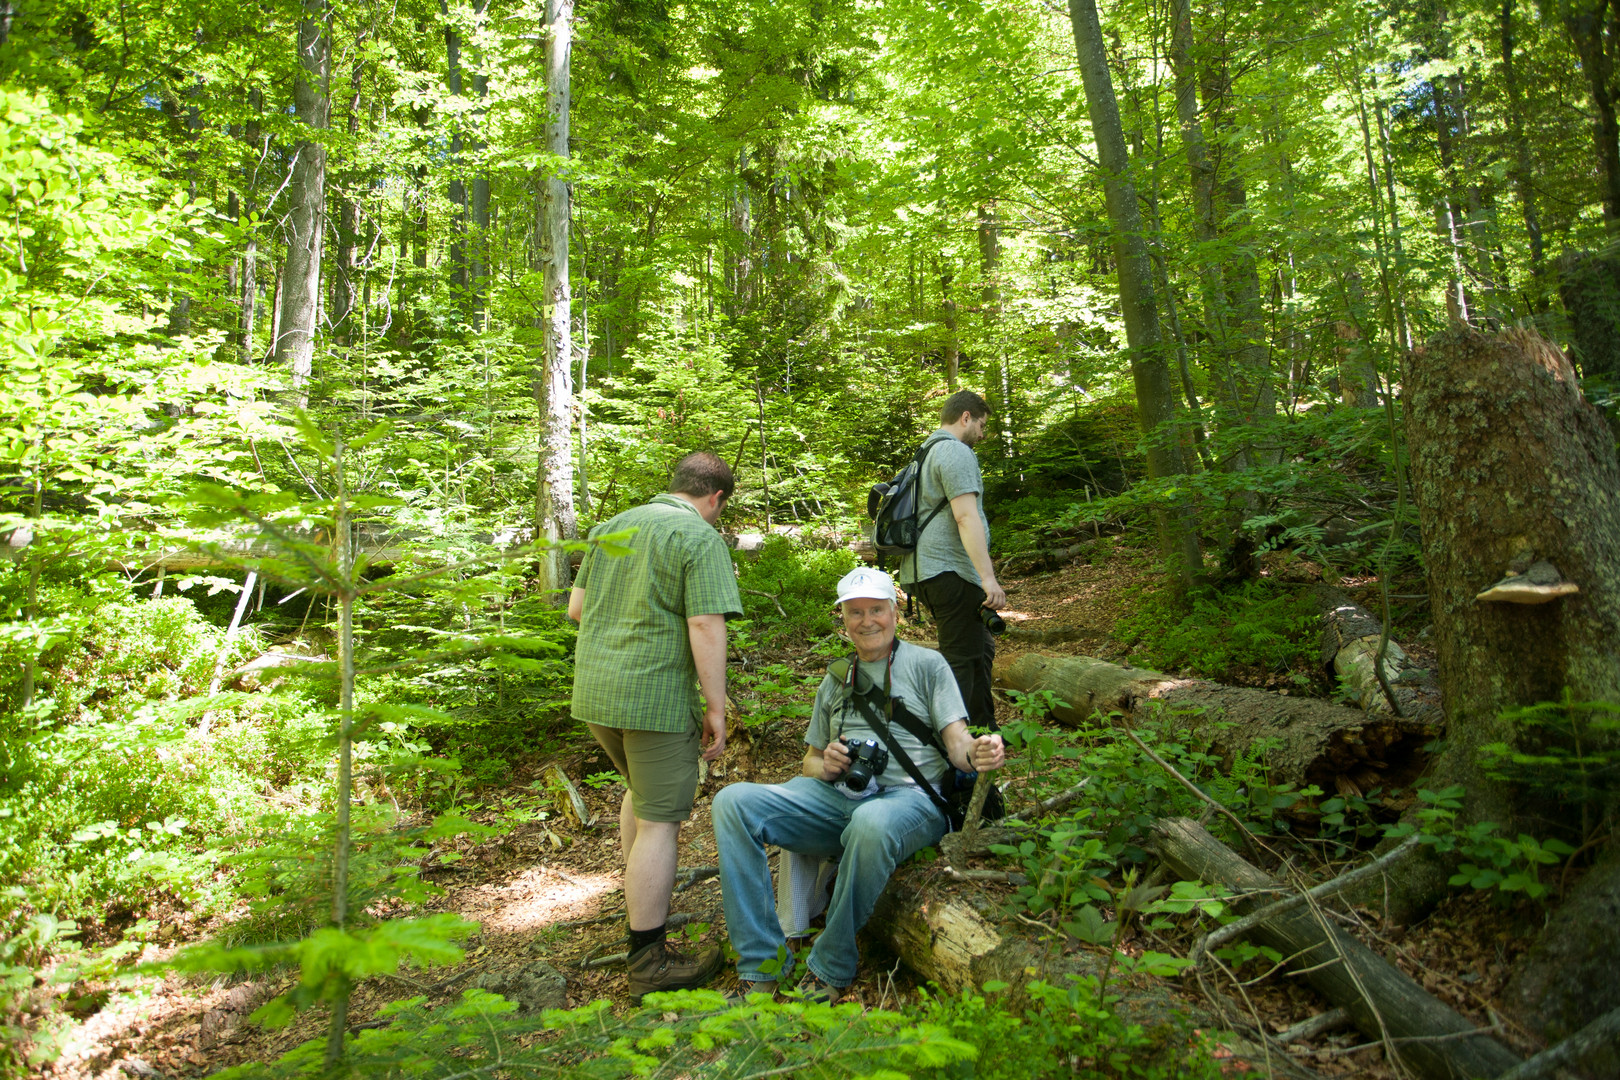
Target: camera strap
x: 898, y: 752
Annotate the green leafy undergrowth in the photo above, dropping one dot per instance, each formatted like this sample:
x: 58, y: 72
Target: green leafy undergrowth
x: 688, y: 1033
x: 1070, y: 1031
x: 801, y: 579
x: 111, y: 788
x: 1245, y: 635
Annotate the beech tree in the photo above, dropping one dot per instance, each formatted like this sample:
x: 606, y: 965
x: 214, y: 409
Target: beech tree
x: 298, y: 321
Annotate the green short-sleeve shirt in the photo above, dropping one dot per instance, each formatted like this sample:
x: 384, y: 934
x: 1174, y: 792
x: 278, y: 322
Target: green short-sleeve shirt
x: 633, y: 665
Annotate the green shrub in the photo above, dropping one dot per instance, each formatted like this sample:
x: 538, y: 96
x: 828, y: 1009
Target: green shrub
x: 1226, y: 635
x: 1059, y: 1031
x: 111, y: 792
x: 801, y: 579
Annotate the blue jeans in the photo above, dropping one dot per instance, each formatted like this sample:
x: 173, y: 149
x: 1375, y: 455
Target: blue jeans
x: 869, y: 837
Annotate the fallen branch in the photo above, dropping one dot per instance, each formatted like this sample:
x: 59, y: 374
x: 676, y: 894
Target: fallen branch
x: 1601, y: 1034
x: 1383, y: 1002
x: 775, y: 598
x: 692, y: 875
x: 1249, y: 840
x: 1320, y: 1024
x: 1321, y: 892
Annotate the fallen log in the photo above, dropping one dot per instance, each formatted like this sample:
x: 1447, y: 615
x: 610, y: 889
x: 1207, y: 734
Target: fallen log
x: 1339, y: 749
x: 955, y: 938
x: 1350, y: 636
x: 1383, y: 1002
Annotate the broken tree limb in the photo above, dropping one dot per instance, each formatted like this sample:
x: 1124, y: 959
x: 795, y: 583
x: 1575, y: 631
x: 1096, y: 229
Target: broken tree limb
x: 1383, y: 1002
x: 1600, y: 1038
x: 566, y: 796
x: 1321, y: 892
x: 1339, y: 749
x: 1350, y: 637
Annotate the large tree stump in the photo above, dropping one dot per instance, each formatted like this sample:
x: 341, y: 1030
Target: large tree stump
x: 1339, y: 749
x: 1511, y: 467
x: 1382, y: 1000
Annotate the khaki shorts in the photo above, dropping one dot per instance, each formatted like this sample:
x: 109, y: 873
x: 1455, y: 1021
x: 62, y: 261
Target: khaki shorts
x: 661, y: 767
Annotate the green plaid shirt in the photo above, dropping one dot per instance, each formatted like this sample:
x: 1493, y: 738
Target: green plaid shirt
x: 633, y: 664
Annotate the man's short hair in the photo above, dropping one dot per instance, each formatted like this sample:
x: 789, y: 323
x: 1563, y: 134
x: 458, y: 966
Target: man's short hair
x: 963, y: 401
x: 701, y: 475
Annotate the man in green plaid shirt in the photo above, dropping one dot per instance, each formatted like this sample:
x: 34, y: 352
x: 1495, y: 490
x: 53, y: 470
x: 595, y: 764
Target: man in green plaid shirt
x: 652, y: 632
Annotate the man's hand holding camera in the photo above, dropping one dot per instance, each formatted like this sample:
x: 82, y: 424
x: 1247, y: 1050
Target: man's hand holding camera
x: 834, y: 761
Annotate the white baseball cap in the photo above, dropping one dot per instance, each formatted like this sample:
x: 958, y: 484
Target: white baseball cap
x: 868, y: 584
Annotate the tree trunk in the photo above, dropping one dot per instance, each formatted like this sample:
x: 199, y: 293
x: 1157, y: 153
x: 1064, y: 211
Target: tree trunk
x: 1521, y: 172
x: 346, y: 272
x: 1382, y: 1001
x: 252, y: 137
x: 478, y: 270
x: 554, y: 390
x: 1338, y: 749
x: 1567, y: 978
x: 1446, y: 208
x: 458, y: 189
x: 1155, y: 399
x: 306, y: 213
x: 1513, y: 468
x: 947, y: 310
x: 1510, y: 466
x: 1591, y: 23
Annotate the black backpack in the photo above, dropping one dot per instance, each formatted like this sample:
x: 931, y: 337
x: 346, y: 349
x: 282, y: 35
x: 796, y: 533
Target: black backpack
x: 893, y: 508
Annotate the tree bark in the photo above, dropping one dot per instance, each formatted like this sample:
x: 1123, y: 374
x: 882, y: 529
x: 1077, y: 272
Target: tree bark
x: 252, y: 137
x: 1155, y: 398
x: 306, y: 214
x: 1340, y: 750
x: 1383, y: 1002
x: 346, y: 271
x: 1512, y: 466
x: 457, y: 189
x: 554, y: 390
x: 1521, y: 172
x: 1592, y: 24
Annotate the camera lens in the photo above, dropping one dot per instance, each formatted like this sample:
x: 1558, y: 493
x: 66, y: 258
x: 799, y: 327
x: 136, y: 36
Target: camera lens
x: 858, y: 776
x: 992, y: 620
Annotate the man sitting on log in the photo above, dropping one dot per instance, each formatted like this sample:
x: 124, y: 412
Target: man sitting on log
x: 854, y: 802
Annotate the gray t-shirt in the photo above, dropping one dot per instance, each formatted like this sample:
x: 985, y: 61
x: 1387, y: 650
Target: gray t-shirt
x: 922, y: 679
x: 951, y: 469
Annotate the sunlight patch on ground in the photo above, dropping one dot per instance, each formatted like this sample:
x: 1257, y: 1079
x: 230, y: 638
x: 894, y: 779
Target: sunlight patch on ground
x: 536, y: 898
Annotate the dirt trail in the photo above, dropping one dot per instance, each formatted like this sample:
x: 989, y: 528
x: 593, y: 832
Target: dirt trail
x: 521, y: 886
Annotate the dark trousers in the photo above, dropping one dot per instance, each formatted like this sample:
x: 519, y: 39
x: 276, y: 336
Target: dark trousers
x: 963, y: 640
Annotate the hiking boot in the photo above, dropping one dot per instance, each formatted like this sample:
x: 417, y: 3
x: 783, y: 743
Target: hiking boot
x: 658, y: 967
x: 740, y: 995
x: 815, y: 991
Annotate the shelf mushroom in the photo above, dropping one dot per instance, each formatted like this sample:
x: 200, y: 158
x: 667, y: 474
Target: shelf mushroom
x: 1540, y: 584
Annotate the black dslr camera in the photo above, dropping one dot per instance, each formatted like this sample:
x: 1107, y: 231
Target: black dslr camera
x: 992, y: 620
x: 867, y: 759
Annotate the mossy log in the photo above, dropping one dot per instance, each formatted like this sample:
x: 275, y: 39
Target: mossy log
x: 1339, y: 749
x: 1350, y: 636
x: 1383, y: 1002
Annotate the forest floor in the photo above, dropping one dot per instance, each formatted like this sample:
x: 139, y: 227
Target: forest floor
x: 548, y: 893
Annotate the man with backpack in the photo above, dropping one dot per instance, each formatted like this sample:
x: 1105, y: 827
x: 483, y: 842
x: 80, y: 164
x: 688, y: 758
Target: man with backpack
x: 885, y: 724
x: 950, y: 569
